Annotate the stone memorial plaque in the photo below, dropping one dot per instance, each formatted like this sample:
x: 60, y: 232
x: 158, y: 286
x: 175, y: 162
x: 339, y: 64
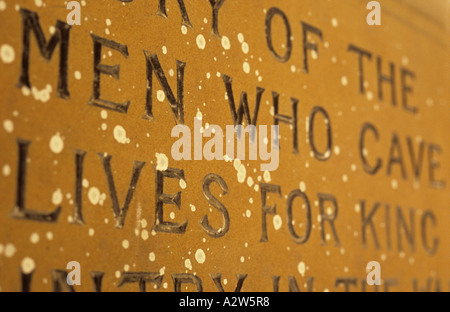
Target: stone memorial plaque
x: 121, y: 169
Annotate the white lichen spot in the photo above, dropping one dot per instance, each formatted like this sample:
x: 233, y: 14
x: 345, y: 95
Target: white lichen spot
x: 267, y: 177
x: 337, y: 150
x: 277, y: 222
x: 10, y: 250
x: 184, y: 30
x: 25, y: 91
x: 200, y: 256
x: 34, y: 238
x: 125, y: 244
x: 144, y: 234
x: 302, y: 186
x: 7, y: 54
x: 237, y: 163
x: 120, y: 135
x: 57, y: 197
x: 241, y: 173
x: 245, y: 47
x: 246, y: 67
x: 8, y: 125
x: 192, y: 207
x: 162, y: 162
x: 182, y: 183
x: 394, y: 184
x: 188, y: 264
x: 6, y: 170
x: 94, y: 195
x: 27, y: 265
x: 405, y: 61
x: 344, y: 81
x: 56, y: 143
x: 160, y: 95
x: 77, y: 75
x: 199, y: 114
x: 42, y: 95
x: 301, y: 268
x: 334, y: 22
x: 226, y: 43
x: 151, y: 256
x: 201, y: 42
